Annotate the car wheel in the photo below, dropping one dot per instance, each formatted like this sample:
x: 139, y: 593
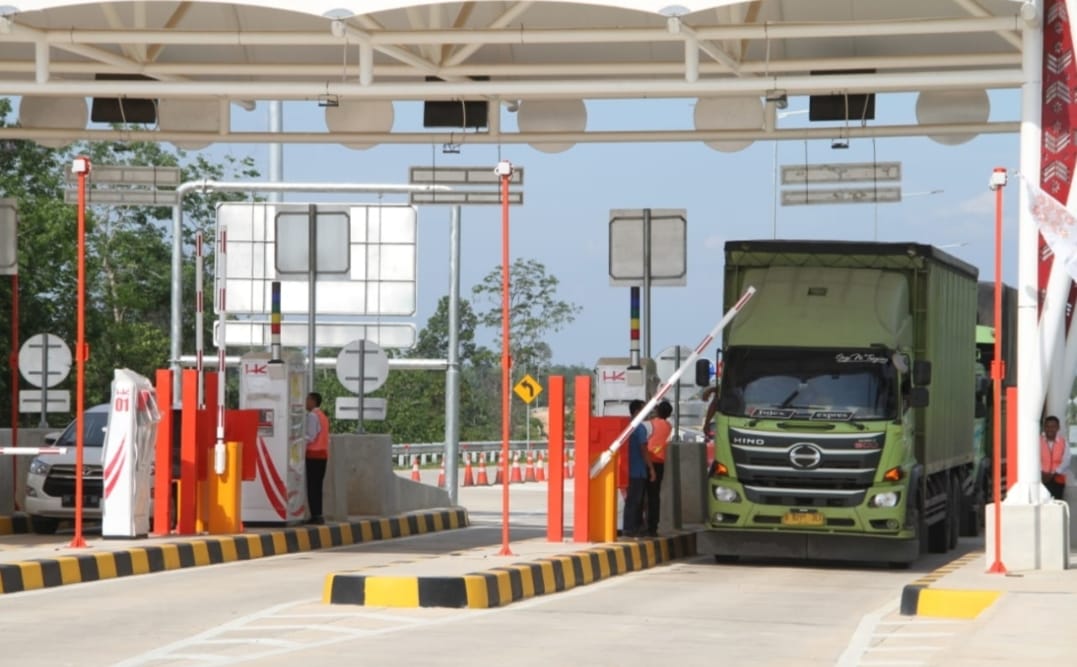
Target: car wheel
x: 44, y: 525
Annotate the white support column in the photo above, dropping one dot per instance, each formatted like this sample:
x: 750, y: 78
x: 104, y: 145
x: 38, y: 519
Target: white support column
x: 1030, y: 380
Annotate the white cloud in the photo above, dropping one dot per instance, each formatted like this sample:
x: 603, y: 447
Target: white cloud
x: 981, y: 204
x: 714, y: 242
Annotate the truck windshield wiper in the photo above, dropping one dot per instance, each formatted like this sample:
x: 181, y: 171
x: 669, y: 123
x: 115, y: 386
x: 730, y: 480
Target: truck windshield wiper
x: 789, y: 399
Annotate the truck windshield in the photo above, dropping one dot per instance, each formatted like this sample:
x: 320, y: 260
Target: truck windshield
x: 822, y: 384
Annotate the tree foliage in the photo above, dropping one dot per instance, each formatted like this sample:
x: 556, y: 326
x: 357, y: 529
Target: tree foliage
x: 127, y: 258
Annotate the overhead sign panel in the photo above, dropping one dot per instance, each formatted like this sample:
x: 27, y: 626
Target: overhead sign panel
x: 885, y: 195
x: 248, y: 333
x: 798, y: 174
x: 130, y: 175
x: 123, y: 197
x: 464, y: 198
x: 462, y: 176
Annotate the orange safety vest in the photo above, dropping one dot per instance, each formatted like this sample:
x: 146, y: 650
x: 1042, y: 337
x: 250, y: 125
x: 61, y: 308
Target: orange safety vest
x: 1051, y: 456
x: 656, y: 444
x: 319, y: 449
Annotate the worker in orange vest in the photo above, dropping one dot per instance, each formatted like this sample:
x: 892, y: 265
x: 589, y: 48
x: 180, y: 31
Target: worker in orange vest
x: 656, y: 445
x: 1054, y: 458
x: 317, y: 454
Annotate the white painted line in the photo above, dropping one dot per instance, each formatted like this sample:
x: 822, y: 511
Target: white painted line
x: 892, y: 662
x: 920, y: 622
x: 902, y: 649
x: 907, y: 635
x: 865, y: 630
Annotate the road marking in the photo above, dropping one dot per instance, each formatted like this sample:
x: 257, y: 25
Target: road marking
x: 865, y: 630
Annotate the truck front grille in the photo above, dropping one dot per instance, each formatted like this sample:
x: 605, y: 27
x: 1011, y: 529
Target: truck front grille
x: 805, y: 470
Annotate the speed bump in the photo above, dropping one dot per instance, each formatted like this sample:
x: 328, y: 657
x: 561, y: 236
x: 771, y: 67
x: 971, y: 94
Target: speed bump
x: 918, y: 599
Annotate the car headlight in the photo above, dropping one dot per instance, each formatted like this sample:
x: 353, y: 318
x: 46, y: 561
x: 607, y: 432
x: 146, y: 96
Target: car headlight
x: 724, y: 494
x: 885, y: 499
x: 39, y: 467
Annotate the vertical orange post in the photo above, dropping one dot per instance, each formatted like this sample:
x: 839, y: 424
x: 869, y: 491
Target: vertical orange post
x: 162, y: 462
x: 582, y: 436
x: 1011, y: 437
x: 82, y: 350
x: 555, y: 482
x: 998, y: 371
x: 186, y: 504
x: 506, y: 387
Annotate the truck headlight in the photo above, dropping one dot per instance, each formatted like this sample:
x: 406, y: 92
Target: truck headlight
x: 725, y: 495
x: 885, y: 499
x: 39, y: 467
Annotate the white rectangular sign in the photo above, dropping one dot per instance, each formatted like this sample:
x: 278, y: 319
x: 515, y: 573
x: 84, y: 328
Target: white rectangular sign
x: 374, y: 409
x: 667, y: 247
x: 30, y: 400
x: 887, y: 195
x: 798, y: 174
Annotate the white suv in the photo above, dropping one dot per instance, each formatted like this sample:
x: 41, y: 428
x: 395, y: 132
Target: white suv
x: 50, y: 483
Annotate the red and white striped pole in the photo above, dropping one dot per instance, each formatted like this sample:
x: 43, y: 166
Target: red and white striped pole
x: 607, y: 455
x: 199, y: 318
x: 219, y: 449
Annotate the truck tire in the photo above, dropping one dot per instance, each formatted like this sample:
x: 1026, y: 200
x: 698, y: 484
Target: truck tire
x: 972, y: 511
x: 44, y: 525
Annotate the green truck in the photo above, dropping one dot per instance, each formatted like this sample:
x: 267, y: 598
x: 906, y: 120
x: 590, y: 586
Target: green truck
x: 845, y: 428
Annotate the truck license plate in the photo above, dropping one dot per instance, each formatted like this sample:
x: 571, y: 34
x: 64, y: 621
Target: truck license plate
x: 803, y: 519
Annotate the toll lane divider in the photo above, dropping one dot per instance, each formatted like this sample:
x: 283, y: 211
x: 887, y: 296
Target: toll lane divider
x: 48, y: 572
x: 918, y: 599
x: 501, y: 586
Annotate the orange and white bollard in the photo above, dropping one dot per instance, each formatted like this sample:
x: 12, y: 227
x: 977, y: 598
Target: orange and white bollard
x: 469, y: 479
x: 482, y: 479
x: 500, y: 465
x: 441, y: 475
x: 540, y: 469
x: 529, y: 471
x: 514, y: 475
x: 570, y: 469
x: 415, y: 475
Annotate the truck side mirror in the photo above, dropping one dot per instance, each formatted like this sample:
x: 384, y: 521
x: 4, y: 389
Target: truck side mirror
x: 703, y: 372
x: 921, y: 373
x: 918, y: 397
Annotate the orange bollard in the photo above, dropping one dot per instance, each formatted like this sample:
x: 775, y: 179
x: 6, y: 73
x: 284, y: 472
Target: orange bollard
x: 529, y: 471
x: 500, y: 465
x: 570, y: 465
x: 514, y: 474
x: 415, y: 475
x: 540, y: 469
x: 469, y: 479
x: 482, y: 479
x: 441, y: 475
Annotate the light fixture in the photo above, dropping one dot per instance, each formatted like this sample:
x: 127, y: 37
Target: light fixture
x: 779, y: 98
x: 839, y: 144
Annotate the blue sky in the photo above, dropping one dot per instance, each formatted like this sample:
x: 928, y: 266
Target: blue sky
x: 568, y: 196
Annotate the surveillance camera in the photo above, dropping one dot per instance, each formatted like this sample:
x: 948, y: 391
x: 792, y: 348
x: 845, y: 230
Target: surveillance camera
x: 998, y: 179
x: 839, y: 144
x: 512, y: 106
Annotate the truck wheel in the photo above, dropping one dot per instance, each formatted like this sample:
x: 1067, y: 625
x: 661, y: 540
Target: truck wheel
x: 44, y: 525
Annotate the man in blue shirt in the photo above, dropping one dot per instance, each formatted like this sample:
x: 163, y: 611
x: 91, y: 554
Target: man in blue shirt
x: 639, y: 471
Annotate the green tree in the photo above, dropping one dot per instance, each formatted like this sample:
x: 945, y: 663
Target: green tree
x: 128, y: 257
x: 535, y: 311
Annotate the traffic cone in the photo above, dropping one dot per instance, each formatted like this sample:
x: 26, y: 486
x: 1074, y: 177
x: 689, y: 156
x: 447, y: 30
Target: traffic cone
x: 415, y: 476
x: 469, y: 480
x: 570, y: 470
x: 514, y: 475
x: 441, y: 475
x: 482, y: 479
x: 498, y: 476
x: 529, y: 471
x: 540, y: 469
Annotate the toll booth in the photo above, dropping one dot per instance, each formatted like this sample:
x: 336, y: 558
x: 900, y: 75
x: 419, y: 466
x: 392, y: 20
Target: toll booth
x: 128, y: 456
x: 276, y: 390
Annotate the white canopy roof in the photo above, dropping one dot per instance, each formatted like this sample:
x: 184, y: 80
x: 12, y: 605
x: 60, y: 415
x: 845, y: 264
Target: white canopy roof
x: 319, y: 50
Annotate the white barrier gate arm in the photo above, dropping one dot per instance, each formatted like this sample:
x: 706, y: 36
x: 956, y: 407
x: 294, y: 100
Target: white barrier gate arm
x: 607, y: 455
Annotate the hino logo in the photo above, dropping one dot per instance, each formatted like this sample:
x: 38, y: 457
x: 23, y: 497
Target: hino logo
x: 805, y: 455
x: 745, y: 440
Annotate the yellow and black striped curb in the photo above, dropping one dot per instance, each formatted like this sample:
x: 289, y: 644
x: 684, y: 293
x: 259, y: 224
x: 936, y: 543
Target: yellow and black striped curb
x: 11, y: 525
x: 49, y: 572
x: 505, y: 585
x: 917, y: 599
